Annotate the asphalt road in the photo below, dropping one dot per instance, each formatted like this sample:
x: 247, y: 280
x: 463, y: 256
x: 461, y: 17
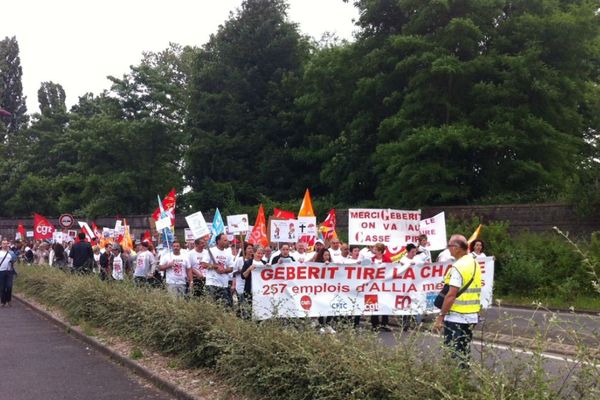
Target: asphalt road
x: 40, y: 361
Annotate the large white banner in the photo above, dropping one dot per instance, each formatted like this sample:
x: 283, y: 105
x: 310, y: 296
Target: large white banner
x: 315, y: 289
x: 394, y: 228
x: 435, y: 229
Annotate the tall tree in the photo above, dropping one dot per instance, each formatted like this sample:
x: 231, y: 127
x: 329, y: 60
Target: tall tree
x: 11, y: 87
x: 51, y: 97
x: 241, y: 115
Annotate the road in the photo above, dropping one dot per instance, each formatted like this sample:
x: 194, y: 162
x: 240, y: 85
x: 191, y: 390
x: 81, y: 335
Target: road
x: 40, y: 361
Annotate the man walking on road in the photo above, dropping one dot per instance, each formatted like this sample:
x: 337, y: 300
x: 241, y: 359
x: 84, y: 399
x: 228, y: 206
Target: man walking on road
x: 6, y: 273
x: 459, y: 313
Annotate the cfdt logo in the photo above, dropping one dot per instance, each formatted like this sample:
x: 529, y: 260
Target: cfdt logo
x: 306, y: 302
x: 371, y: 302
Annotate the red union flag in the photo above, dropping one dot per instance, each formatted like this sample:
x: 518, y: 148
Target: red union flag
x: 168, y: 204
x: 282, y: 214
x: 259, y: 232
x: 42, y: 228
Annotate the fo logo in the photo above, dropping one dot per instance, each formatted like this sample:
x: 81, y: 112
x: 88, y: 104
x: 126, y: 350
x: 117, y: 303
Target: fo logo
x: 44, y: 229
x: 306, y: 302
x: 371, y: 302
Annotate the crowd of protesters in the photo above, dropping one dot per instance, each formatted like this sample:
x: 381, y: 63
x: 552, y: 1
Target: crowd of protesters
x: 222, y: 272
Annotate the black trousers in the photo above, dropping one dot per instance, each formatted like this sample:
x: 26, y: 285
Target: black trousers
x: 6, y: 283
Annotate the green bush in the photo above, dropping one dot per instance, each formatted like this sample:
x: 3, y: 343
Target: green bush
x: 275, y: 359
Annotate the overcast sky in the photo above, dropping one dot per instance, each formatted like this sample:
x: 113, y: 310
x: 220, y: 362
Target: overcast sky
x: 77, y: 43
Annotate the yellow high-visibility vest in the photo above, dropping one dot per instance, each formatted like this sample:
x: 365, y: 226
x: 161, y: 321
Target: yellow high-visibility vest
x: 470, y: 300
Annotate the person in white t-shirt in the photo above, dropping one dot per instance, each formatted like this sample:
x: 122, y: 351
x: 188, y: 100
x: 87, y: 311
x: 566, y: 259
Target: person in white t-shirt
x: 300, y: 255
x: 178, y: 271
x: 445, y: 256
x: 238, y: 280
x: 196, y: 258
x: 408, y: 259
x: 476, y: 248
x: 335, y: 250
x: 219, y: 265
x: 423, y: 254
x: 144, y: 265
x: 367, y: 253
x: 117, y: 263
x: 6, y: 273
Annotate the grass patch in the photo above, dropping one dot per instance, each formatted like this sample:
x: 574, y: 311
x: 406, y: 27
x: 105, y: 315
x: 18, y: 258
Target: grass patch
x: 136, y: 353
x: 275, y: 360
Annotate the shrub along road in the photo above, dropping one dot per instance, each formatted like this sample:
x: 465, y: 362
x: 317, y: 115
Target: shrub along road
x: 41, y: 361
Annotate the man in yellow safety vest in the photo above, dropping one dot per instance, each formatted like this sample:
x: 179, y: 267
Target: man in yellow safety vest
x: 460, y: 311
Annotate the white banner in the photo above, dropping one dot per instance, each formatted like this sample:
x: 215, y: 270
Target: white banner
x: 284, y: 231
x: 237, y: 224
x: 314, y: 289
x: 197, y: 224
x: 368, y: 226
x: 435, y: 229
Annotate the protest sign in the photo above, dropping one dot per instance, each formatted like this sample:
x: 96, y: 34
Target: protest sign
x: 435, y: 229
x: 189, y: 235
x: 307, y: 229
x: 29, y: 234
x: 237, y: 224
x: 314, y: 289
x: 368, y: 226
x: 284, y: 231
x: 163, y: 223
x: 198, y: 225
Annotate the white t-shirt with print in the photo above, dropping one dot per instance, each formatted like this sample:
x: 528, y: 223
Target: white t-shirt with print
x: 143, y: 264
x: 196, y: 258
x: 118, y: 267
x: 222, y: 257
x: 177, y: 274
x: 5, y: 266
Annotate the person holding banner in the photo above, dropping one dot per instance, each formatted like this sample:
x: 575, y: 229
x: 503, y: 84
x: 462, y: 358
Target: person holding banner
x: 422, y: 252
x: 476, y: 248
x: 238, y: 279
x: 219, y: 265
x: 257, y: 261
x: 300, y: 254
x: 380, y: 257
x: 460, y: 313
x: 283, y: 256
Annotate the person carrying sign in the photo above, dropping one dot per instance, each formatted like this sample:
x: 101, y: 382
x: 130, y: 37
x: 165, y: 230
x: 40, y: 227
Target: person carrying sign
x: 460, y: 310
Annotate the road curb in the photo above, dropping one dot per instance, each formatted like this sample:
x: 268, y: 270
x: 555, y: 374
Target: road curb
x: 135, y: 367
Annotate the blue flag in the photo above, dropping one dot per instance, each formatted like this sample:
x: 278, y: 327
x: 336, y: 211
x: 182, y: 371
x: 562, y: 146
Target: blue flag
x: 166, y: 234
x: 217, y: 227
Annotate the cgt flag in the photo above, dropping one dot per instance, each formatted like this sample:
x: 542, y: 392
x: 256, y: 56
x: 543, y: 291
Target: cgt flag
x: 42, y: 228
x: 259, y: 231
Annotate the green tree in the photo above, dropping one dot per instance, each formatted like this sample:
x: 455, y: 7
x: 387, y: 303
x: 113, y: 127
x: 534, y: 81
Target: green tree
x: 11, y: 87
x: 51, y: 97
x: 242, y: 118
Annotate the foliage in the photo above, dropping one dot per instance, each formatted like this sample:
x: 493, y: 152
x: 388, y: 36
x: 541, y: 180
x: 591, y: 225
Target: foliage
x: 274, y: 360
x: 11, y: 88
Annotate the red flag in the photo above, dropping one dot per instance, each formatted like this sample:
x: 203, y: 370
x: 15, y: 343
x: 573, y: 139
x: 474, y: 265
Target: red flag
x: 97, y: 231
x: 21, y: 232
x: 282, y: 214
x: 259, y: 232
x: 168, y: 204
x: 42, y: 228
x: 327, y: 228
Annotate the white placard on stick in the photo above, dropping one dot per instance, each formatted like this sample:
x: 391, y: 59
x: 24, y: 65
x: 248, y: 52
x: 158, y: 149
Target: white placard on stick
x: 284, y: 231
x: 237, y: 223
x: 435, y: 229
x: 29, y: 233
x: 197, y: 224
x: 163, y: 223
x: 189, y: 235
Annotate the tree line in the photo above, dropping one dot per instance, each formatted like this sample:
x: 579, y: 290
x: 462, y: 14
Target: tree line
x: 432, y: 103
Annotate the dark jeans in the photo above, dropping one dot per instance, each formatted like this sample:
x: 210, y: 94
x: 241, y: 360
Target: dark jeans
x: 140, y: 281
x: 385, y: 319
x: 198, y: 287
x: 6, y: 283
x: 458, y: 338
x: 220, y: 295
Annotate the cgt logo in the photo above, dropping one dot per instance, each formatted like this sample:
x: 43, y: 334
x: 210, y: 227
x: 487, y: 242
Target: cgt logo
x: 306, y: 302
x: 44, y: 229
x: 371, y: 302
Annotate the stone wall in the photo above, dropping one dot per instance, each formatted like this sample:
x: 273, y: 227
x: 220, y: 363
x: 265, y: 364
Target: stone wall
x: 521, y: 217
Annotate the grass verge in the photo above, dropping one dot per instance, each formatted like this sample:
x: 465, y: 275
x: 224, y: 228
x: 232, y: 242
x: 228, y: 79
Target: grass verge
x: 275, y: 360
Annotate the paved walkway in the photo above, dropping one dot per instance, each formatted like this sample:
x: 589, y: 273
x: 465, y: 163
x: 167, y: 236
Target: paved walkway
x: 38, y: 360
